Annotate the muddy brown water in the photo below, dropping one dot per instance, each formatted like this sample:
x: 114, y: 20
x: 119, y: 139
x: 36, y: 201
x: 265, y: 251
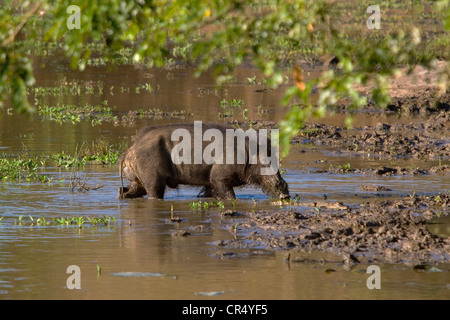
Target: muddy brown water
x: 140, y: 256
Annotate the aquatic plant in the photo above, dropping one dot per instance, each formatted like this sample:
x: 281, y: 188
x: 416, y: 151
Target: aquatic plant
x: 24, y: 167
x: 105, y: 220
x: 62, y: 113
x: 99, y: 152
x: 229, y: 106
x: 21, y: 168
x: 67, y: 160
x: 102, y: 152
x: 78, y: 221
x: 345, y: 168
x: 202, y: 205
x: 251, y: 80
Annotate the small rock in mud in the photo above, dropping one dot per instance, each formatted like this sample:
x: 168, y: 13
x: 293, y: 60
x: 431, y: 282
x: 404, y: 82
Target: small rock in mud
x: 181, y: 233
x: 327, y: 204
x: 383, y: 171
x: 440, y: 169
x: 224, y: 255
x: 426, y: 268
x: 383, y: 127
x: 219, y: 243
x: 201, y: 228
x: 229, y: 213
x: 371, y: 187
x: 387, y: 171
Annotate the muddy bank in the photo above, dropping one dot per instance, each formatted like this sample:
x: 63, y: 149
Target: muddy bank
x: 411, y: 101
x: 412, y: 92
x: 388, y: 171
x: 415, y: 95
x: 427, y: 140
x: 387, y: 231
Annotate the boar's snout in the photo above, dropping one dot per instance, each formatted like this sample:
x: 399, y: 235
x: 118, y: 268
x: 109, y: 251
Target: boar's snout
x: 285, y: 196
x: 283, y: 190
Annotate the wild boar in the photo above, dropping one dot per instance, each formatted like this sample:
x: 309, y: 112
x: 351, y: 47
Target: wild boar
x: 158, y: 159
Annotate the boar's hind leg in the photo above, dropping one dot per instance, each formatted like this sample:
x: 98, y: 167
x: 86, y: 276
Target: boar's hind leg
x: 155, y: 188
x: 135, y: 190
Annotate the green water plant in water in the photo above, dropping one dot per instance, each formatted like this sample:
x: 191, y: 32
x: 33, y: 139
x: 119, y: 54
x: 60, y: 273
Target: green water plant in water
x: 63, y: 113
x: 27, y: 168
x: 21, y: 168
x: 99, y: 152
x: 203, y: 205
x: 229, y: 106
x: 79, y: 221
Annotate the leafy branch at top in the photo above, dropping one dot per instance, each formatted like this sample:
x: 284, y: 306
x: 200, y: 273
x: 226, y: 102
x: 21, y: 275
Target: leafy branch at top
x: 222, y: 34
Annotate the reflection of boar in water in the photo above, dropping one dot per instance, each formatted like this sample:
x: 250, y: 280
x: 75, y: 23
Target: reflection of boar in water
x: 150, y: 166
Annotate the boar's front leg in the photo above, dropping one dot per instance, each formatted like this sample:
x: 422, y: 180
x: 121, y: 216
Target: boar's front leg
x: 221, y: 182
x: 206, y: 192
x: 222, y: 189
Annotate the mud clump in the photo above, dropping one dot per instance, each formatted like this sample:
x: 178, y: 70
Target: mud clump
x: 422, y: 102
x: 388, y: 231
x: 180, y: 233
x: 371, y: 187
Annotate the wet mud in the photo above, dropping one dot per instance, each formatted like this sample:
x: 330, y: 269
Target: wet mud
x: 387, y: 231
x: 422, y: 140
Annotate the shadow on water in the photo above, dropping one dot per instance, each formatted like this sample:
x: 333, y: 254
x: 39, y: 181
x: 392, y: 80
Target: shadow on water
x: 144, y: 255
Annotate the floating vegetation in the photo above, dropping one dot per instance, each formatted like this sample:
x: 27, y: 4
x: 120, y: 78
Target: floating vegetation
x: 78, y: 221
x: 202, y: 205
x: 63, y: 113
x: 68, y: 88
x: 147, y: 87
x: 97, y: 114
x: 229, y: 106
x: 85, y: 87
x: 102, y: 152
x: 67, y: 160
x: 27, y: 168
x: 21, y: 168
x: 152, y: 113
x: 99, y: 152
x: 158, y: 113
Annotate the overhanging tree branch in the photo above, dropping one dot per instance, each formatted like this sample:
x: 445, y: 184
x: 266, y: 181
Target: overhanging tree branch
x: 25, y: 19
